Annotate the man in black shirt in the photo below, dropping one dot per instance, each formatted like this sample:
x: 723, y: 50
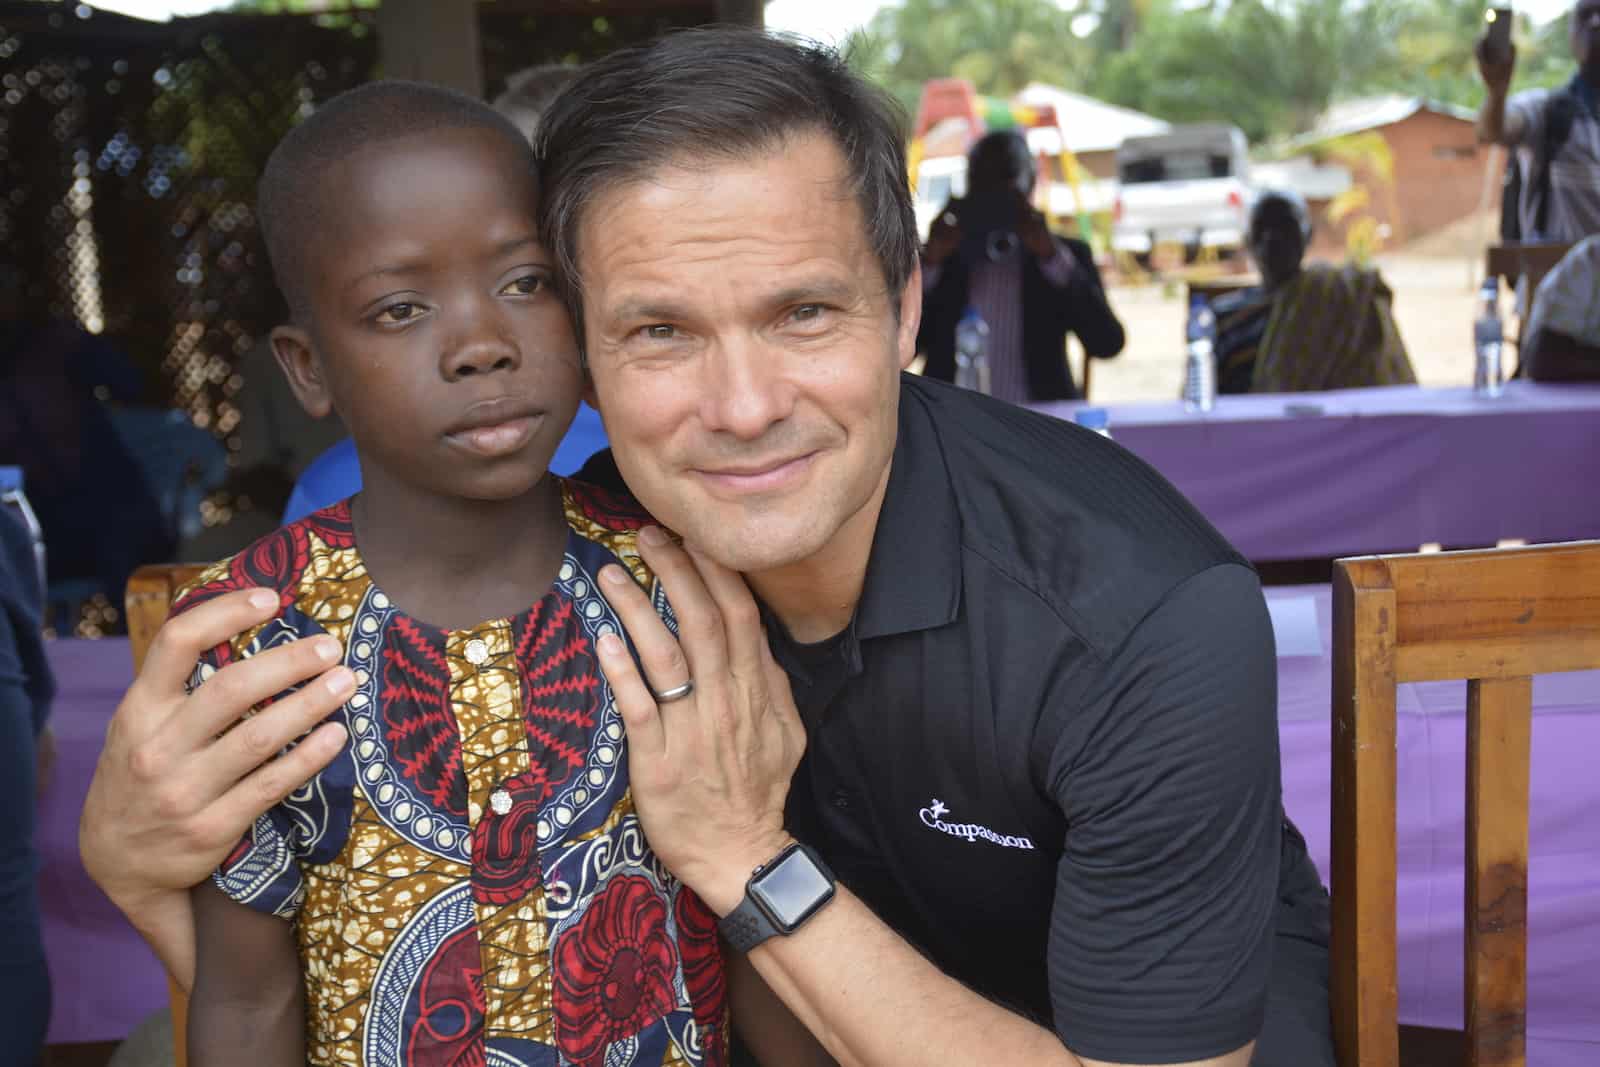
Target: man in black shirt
x: 1013, y: 690
x: 1035, y: 690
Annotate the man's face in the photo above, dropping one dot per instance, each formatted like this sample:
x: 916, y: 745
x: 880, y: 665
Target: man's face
x: 1583, y: 31
x: 436, y: 332
x: 745, y: 352
x: 1277, y: 241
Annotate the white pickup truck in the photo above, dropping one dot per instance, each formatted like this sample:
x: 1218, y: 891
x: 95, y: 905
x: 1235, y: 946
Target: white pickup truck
x: 1188, y: 187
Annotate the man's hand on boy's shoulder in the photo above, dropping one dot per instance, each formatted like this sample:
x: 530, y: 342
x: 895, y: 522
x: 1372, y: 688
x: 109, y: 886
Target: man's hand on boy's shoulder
x: 711, y: 761
x: 176, y: 786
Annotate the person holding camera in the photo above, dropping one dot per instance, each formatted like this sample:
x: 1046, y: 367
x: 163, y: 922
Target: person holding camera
x: 994, y: 253
x: 1556, y: 132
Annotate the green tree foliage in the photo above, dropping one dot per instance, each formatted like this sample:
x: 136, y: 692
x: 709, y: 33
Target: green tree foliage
x: 998, y: 45
x: 1269, y: 66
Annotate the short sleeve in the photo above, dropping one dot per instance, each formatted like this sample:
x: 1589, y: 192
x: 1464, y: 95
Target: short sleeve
x: 1168, y: 776
x: 263, y: 871
x: 1525, y: 112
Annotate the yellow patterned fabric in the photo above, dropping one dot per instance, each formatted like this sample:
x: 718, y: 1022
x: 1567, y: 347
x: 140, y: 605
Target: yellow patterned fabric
x: 1331, y: 328
x: 468, y: 881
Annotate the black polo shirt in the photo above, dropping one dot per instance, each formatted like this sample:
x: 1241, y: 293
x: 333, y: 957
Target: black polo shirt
x: 1045, y: 750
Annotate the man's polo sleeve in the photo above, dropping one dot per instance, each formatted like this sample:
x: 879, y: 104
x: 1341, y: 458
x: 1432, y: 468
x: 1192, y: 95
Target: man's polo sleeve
x: 1167, y: 773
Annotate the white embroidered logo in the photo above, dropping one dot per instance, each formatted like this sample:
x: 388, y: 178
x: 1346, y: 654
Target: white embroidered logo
x: 933, y: 817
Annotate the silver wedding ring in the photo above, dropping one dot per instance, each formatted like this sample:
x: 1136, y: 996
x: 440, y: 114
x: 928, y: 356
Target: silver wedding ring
x: 677, y: 692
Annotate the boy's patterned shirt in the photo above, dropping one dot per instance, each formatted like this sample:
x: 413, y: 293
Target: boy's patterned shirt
x: 468, y: 879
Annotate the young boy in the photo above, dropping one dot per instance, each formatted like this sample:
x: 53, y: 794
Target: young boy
x: 467, y: 883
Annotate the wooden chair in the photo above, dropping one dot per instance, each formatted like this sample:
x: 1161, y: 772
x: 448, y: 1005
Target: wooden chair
x: 147, y: 601
x: 1495, y: 618
x: 1532, y: 261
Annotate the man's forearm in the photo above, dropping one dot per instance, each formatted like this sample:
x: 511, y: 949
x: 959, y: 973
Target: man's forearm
x: 166, y: 921
x: 846, y: 975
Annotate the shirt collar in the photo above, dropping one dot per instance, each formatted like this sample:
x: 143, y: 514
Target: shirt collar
x: 913, y: 579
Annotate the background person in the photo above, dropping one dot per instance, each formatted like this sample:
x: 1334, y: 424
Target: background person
x: 1562, y: 337
x: 1556, y: 133
x: 26, y: 751
x: 1306, y: 327
x: 994, y: 253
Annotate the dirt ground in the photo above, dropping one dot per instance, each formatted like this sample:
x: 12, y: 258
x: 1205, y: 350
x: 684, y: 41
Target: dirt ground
x: 1434, y: 290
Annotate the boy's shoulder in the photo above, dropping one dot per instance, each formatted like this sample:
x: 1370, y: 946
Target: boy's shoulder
x: 282, y: 561
x: 607, y: 519
x: 595, y: 508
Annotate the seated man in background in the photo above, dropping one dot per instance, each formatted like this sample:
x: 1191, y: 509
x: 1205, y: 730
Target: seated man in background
x: 994, y: 253
x: 1562, y: 337
x: 1305, y: 328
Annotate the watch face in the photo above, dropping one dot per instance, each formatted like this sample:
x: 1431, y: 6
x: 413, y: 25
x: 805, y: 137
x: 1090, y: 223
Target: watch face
x: 791, y: 890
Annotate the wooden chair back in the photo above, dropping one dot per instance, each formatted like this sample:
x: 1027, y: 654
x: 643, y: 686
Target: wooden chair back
x: 147, y: 601
x: 1533, y: 261
x: 1495, y: 618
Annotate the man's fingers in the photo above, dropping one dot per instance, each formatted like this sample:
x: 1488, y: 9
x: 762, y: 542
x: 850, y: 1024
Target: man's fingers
x: 741, y: 618
x: 241, y: 805
x: 664, y: 664
x: 701, y: 630
x: 252, y: 743
x: 181, y: 640
x: 240, y: 686
x: 640, y: 715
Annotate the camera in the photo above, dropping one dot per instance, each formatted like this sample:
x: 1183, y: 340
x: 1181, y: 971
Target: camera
x: 989, y: 226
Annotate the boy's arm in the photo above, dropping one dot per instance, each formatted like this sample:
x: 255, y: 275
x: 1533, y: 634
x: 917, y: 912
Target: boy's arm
x: 249, y: 998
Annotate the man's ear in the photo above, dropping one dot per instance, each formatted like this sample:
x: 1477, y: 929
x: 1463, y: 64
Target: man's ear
x: 910, y: 317
x: 590, y: 397
x: 292, y: 348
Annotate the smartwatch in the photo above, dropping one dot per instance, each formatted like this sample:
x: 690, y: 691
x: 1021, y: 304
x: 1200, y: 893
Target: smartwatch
x: 783, y: 893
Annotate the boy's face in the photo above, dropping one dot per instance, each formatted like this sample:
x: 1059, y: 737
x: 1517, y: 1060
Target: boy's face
x: 435, y: 331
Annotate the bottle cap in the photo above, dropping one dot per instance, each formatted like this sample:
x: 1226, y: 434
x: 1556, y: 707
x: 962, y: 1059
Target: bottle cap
x: 1092, y: 418
x: 10, y: 479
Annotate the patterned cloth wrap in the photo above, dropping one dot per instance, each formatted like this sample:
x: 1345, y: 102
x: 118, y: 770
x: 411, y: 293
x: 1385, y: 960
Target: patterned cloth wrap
x: 468, y: 880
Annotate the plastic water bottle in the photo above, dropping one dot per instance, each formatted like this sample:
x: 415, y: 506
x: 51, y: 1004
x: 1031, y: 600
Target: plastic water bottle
x: 972, y: 352
x: 1488, y: 340
x: 14, y: 500
x: 1200, y: 367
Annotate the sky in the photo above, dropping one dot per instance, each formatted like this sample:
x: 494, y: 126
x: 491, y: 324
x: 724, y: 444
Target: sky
x: 825, y: 20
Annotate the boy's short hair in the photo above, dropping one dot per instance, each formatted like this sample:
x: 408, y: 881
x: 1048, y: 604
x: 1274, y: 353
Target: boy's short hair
x: 290, y: 200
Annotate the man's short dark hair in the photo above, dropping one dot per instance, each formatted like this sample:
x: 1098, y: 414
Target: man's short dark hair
x: 719, y: 94
x: 1289, y: 198
x: 530, y: 91
x: 997, y: 160
x: 291, y: 198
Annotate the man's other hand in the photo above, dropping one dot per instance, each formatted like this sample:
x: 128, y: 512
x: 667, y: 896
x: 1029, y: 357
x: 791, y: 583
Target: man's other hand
x: 1495, y: 70
x: 944, y: 237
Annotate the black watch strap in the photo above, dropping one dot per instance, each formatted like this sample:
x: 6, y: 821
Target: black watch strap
x: 746, y: 926
x: 751, y: 923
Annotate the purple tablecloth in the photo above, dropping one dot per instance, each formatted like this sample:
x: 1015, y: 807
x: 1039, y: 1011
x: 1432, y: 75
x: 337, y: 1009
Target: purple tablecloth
x: 106, y: 980
x: 1375, y: 470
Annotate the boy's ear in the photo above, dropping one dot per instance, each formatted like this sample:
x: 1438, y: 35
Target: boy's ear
x: 291, y: 345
